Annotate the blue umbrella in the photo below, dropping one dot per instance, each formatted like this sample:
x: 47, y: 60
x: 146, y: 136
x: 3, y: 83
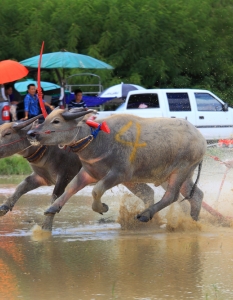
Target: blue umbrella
x: 21, y: 86
x: 65, y: 59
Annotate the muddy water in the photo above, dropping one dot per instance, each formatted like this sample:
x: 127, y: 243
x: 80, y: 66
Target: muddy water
x: 89, y: 256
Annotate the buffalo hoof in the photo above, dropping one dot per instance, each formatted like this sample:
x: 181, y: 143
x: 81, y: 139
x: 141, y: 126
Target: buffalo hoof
x: 100, y: 208
x: 144, y: 217
x: 3, y: 210
x: 52, y: 210
x: 105, y: 207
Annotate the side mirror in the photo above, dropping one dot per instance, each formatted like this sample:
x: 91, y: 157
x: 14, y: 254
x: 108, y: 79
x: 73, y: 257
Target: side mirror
x: 225, y: 107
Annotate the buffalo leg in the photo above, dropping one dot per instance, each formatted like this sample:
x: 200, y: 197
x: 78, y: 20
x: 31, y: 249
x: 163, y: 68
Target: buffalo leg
x: 171, y: 195
x: 58, y: 190
x: 106, y: 183
x: 30, y: 183
x: 142, y: 191
x: 196, y: 199
x: 79, y: 182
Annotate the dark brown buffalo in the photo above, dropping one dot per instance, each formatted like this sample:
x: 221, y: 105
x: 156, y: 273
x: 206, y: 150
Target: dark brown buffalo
x: 50, y: 165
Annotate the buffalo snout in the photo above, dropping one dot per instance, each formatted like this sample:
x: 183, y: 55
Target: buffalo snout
x: 32, y: 134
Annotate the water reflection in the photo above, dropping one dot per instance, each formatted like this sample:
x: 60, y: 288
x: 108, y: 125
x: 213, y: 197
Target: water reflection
x: 86, y: 258
x: 132, y: 265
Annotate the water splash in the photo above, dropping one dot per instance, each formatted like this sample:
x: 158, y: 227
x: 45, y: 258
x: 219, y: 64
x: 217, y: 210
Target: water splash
x: 38, y: 234
x: 130, y: 206
x: 177, y: 220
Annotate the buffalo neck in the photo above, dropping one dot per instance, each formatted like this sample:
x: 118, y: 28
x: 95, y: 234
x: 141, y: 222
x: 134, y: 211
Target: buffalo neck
x: 80, y: 132
x: 95, y: 147
x: 28, y: 149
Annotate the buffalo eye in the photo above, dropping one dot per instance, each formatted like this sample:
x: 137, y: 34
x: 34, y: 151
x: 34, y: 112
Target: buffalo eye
x: 7, y: 133
x: 56, y: 122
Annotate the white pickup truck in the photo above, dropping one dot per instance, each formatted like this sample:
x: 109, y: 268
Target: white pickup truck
x: 202, y: 108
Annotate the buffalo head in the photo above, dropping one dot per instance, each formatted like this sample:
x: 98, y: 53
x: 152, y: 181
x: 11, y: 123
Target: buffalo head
x: 61, y: 127
x: 13, y: 136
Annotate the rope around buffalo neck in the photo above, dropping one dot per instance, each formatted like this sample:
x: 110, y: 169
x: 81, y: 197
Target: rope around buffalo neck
x: 84, y: 142
x: 62, y: 147
x: 24, y: 149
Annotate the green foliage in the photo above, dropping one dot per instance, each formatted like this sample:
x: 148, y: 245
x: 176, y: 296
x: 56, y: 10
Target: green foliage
x: 149, y: 42
x: 14, y: 165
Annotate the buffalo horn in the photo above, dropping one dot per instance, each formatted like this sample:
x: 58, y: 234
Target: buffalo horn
x: 73, y: 114
x: 20, y: 125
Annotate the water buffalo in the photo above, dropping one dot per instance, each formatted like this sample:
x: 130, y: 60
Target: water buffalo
x: 50, y: 165
x: 137, y: 150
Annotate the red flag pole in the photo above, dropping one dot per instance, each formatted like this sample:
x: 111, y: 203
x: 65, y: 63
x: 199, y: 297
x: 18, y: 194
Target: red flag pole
x: 42, y: 106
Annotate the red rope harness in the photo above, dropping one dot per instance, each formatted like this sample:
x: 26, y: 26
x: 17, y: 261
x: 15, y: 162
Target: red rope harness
x: 53, y: 131
x: 13, y: 142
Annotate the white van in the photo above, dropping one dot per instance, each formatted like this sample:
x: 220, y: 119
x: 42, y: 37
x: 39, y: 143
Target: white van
x: 202, y: 108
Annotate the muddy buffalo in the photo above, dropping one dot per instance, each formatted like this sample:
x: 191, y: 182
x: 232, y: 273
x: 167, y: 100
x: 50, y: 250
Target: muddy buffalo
x: 136, y: 150
x: 50, y: 165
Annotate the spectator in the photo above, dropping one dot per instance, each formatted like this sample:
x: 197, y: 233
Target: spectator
x: 31, y: 103
x: 78, y: 101
x: 13, y: 104
x: 8, y: 91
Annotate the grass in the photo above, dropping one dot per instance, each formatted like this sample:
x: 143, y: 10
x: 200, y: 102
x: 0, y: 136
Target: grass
x: 14, y: 165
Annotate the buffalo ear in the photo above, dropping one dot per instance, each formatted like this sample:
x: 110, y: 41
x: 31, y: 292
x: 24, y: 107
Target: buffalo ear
x: 74, y: 114
x: 22, y: 124
x: 35, y: 123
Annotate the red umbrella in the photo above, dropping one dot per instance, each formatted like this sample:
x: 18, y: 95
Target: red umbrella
x: 11, y: 70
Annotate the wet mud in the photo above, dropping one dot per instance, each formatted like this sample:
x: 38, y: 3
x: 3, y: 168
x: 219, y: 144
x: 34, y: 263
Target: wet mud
x: 89, y: 256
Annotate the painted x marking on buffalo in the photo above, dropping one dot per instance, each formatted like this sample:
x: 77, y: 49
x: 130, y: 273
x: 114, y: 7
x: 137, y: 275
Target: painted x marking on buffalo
x: 134, y: 144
